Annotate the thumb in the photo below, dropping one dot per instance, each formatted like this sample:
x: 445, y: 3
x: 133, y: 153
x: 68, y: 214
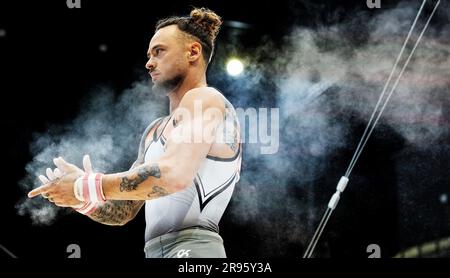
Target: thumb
x: 64, y: 166
x: 87, y: 165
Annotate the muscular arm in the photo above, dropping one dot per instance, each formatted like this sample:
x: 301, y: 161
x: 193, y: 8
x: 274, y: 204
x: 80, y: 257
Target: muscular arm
x: 116, y: 213
x: 186, y: 148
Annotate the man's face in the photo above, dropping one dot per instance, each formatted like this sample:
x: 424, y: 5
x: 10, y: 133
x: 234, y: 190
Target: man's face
x: 167, y: 62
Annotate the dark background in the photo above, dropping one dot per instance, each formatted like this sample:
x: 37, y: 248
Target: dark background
x: 52, y: 53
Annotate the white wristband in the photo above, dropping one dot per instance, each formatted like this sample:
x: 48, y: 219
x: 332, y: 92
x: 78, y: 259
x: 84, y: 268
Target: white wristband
x: 86, y: 208
x: 88, y: 188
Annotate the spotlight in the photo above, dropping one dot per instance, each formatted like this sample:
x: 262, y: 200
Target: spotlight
x: 234, y: 67
x: 443, y: 198
x: 103, y: 48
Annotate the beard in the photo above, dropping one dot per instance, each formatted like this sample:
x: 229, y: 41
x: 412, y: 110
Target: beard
x: 167, y: 86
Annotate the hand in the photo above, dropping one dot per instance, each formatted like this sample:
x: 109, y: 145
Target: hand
x: 51, y: 176
x: 59, y: 187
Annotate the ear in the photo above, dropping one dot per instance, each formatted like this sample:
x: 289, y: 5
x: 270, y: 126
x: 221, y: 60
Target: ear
x: 195, y: 52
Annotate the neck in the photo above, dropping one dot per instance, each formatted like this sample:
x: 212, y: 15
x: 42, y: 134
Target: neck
x: 189, y: 83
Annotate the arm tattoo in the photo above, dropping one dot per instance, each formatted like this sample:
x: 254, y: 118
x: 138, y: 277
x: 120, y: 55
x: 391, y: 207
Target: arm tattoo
x: 231, y: 139
x: 177, y: 120
x: 232, y: 145
x: 129, y: 184
x: 116, y: 212
x: 158, y: 191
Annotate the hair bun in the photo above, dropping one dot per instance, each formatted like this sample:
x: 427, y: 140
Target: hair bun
x: 208, y: 20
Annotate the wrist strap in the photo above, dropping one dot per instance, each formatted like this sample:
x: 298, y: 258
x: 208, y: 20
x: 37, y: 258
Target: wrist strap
x: 88, y: 188
x: 86, y: 208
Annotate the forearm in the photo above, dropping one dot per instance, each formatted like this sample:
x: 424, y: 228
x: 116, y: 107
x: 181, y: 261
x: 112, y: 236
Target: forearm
x: 146, y: 182
x: 116, y: 212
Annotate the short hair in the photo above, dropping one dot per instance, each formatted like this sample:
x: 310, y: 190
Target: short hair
x: 202, y: 24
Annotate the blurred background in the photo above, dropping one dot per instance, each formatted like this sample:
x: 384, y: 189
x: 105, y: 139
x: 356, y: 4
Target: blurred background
x: 72, y: 81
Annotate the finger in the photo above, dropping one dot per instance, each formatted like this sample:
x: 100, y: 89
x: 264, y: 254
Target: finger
x: 43, y: 179
x: 57, y: 173
x: 50, y: 174
x: 41, y: 189
x: 64, y: 166
x: 87, y: 165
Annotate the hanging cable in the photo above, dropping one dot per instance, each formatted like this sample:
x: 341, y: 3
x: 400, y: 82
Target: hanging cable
x: 369, y: 128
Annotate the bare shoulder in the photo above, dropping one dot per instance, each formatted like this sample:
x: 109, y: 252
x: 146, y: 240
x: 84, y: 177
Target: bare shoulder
x: 207, y: 96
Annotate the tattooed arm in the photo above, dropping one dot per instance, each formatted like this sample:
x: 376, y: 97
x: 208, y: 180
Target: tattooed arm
x: 186, y: 148
x: 201, y: 112
x: 116, y: 213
